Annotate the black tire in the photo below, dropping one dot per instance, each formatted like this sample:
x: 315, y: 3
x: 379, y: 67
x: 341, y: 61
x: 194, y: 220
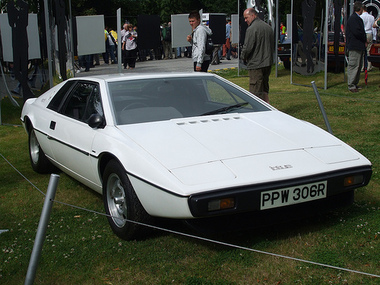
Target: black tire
x: 40, y: 163
x: 122, y: 205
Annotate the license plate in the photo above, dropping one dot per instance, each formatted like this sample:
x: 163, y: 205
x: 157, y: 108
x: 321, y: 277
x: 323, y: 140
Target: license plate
x: 293, y: 195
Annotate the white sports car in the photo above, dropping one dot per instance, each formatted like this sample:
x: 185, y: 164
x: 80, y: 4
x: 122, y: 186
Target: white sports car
x: 185, y: 146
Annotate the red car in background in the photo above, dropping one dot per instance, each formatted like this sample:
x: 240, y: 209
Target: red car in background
x: 374, y: 55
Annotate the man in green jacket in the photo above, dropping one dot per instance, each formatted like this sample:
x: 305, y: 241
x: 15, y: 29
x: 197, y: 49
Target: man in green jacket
x: 257, y: 53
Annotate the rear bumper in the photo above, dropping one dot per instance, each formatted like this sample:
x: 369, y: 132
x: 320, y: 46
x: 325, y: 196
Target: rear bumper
x: 248, y: 198
x: 332, y: 58
x: 284, y: 57
x: 372, y: 58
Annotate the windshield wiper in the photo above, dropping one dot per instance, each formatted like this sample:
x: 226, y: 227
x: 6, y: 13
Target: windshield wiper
x: 225, y: 110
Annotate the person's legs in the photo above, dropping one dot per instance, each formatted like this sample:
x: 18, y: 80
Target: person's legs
x: 224, y: 49
x: 179, y: 53
x: 132, y: 58
x: 369, y: 45
x: 88, y: 60
x: 205, y: 65
x: 228, y: 46
x: 106, y: 56
x: 112, y: 53
x: 166, y: 49
x: 256, y: 82
x: 266, y: 73
x: 353, y: 69
x: 360, y: 66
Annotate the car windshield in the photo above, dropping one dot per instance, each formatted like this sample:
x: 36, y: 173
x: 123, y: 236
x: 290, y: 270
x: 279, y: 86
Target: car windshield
x: 158, y: 99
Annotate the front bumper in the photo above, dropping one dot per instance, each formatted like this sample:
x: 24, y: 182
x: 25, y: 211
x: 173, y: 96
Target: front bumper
x: 248, y: 198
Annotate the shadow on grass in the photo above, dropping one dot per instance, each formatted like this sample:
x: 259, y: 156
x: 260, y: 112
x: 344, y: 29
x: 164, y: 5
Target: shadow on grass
x: 246, y: 229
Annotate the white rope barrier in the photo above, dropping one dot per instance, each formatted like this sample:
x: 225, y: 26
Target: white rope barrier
x: 15, y: 169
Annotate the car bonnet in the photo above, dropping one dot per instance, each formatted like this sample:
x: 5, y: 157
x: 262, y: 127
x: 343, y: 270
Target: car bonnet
x: 233, y: 146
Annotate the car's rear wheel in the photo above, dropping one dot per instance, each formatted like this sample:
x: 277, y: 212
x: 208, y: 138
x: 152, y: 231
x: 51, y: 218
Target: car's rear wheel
x: 122, y: 205
x: 38, y: 159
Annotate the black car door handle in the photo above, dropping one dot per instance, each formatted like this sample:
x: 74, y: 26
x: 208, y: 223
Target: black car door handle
x: 52, y: 125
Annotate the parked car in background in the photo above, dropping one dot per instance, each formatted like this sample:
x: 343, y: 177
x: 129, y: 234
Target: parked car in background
x: 185, y: 146
x: 335, y: 62
x: 374, y: 56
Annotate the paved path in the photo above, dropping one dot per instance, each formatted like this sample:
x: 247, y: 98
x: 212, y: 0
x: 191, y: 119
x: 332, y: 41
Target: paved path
x: 170, y: 65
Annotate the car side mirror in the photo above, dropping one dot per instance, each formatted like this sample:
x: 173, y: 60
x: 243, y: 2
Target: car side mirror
x: 96, y: 121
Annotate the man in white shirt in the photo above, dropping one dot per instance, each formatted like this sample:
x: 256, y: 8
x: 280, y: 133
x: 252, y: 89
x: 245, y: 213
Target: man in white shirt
x: 368, y: 23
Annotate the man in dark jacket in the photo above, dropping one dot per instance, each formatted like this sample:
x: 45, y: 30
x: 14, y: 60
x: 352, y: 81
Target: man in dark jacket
x: 257, y: 53
x: 356, y: 45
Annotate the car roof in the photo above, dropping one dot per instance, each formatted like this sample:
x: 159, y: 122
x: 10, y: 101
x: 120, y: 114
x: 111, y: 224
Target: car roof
x: 136, y: 76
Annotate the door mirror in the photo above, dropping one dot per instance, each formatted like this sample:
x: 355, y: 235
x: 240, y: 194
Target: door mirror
x: 96, y: 121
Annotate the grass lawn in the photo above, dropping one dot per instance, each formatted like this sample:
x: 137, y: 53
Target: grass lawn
x: 80, y: 247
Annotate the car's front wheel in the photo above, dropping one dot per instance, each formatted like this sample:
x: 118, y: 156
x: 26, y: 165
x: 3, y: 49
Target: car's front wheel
x: 122, y: 205
x: 38, y: 159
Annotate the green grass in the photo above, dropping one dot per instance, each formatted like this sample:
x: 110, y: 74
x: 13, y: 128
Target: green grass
x: 80, y: 248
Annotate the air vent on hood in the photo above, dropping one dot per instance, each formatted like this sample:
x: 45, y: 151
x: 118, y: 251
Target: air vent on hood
x: 204, y: 121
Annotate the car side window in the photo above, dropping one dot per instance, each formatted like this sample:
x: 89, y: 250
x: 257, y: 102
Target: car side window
x: 83, y: 101
x: 58, y: 98
x: 94, y: 104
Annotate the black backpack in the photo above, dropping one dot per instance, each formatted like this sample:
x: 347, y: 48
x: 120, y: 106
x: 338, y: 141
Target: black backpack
x: 209, y: 45
x: 168, y: 34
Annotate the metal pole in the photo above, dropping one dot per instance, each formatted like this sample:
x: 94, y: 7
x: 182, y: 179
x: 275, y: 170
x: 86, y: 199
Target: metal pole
x: 71, y: 38
x: 276, y: 29
x: 48, y: 43
x: 326, y: 36
x: 238, y: 46
x: 41, y: 231
x: 119, y: 40
x: 351, y: 8
x: 291, y: 44
x: 321, y: 107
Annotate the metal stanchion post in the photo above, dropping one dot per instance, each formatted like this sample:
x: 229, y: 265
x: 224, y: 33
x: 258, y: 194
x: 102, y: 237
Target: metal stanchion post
x: 119, y: 39
x: 321, y: 107
x: 41, y: 231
